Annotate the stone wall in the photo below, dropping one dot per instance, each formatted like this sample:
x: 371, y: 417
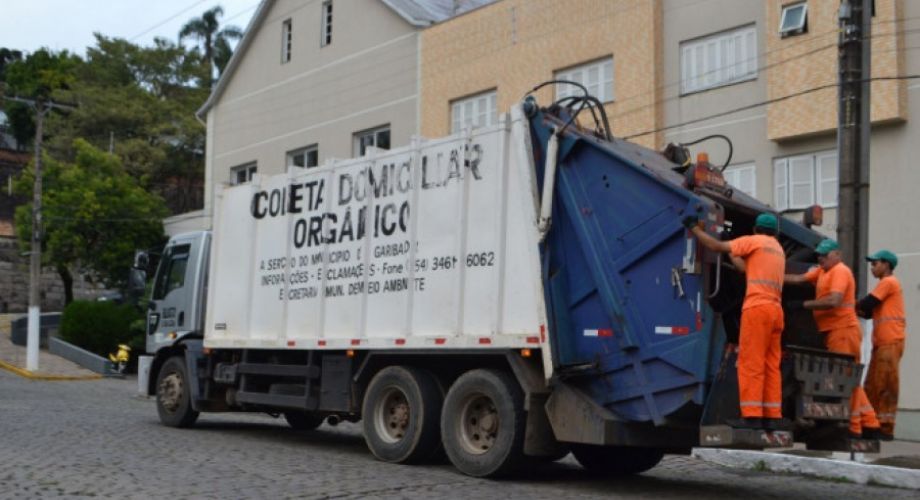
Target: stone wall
x: 14, y: 283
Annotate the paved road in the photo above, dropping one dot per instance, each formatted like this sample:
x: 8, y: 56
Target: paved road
x: 94, y: 439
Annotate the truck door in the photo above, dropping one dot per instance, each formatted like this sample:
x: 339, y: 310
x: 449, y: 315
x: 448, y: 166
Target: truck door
x: 170, y: 304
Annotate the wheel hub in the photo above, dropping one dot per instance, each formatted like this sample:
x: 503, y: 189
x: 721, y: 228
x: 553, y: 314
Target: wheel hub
x: 480, y: 424
x: 392, y: 415
x: 170, y: 392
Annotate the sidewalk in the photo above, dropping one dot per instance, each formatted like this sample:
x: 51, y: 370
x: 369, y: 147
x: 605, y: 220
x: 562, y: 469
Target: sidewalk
x: 50, y: 367
x: 897, y: 465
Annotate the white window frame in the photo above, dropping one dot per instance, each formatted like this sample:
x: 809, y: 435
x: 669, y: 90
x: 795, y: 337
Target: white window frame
x: 742, y: 169
x: 596, y: 75
x: 374, y: 133
x: 326, y: 28
x: 812, y: 174
x: 247, y: 169
x: 795, y: 29
x: 287, y: 38
x: 479, y: 110
x: 304, y: 153
x: 718, y: 60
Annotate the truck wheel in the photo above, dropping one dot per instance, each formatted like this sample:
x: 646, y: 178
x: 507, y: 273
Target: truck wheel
x: 401, y: 413
x: 616, y: 460
x: 174, y: 404
x: 301, y: 421
x: 483, y: 423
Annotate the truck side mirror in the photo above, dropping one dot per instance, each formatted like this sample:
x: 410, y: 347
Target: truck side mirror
x: 137, y: 283
x: 141, y: 260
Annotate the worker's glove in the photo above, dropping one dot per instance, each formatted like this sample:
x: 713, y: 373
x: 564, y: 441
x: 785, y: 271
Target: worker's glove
x: 794, y: 305
x: 690, y: 221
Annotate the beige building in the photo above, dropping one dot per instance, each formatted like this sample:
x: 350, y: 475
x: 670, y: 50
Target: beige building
x: 311, y: 81
x: 762, y: 72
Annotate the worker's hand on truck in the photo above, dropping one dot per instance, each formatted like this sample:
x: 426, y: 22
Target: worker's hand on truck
x: 690, y: 221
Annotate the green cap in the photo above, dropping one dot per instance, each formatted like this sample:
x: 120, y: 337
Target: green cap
x: 766, y: 221
x: 826, y: 246
x: 886, y: 256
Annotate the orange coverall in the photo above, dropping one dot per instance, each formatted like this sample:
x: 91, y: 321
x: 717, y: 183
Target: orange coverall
x: 889, y: 325
x: 842, y: 333
x: 759, y: 352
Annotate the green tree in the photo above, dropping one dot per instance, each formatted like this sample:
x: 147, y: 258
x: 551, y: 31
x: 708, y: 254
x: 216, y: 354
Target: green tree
x: 95, y: 215
x: 8, y: 56
x: 215, y: 42
x: 140, y: 102
x: 40, y: 76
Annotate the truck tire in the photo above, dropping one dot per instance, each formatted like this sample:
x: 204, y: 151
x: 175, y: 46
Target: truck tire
x: 303, y: 421
x: 174, y: 405
x: 401, y: 414
x: 616, y: 460
x: 483, y: 423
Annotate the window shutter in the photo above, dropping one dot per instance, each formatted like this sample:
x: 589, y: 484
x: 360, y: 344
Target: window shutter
x: 801, y: 182
x: 827, y: 173
x: 780, y: 185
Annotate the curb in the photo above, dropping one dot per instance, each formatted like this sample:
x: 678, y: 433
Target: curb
x: 816, y: 467
x: 39, y: 376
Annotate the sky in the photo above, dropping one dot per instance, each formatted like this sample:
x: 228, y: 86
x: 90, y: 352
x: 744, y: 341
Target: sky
x: 28, y: 25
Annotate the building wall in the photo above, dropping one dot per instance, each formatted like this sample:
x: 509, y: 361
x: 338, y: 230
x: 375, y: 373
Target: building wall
x: 512, y: 45
x: 14, y: 283
x: 367, y: 77
x: 813, y: 57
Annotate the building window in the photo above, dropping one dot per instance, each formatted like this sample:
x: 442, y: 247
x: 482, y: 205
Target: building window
x: 742, y: 178
x: 718, y: 60
x: 377, y: 137
x: 243, y: 173
x: 804, y: 180
x: 307, y: 157
x: 474, y: 111
x: 596, y: 76
x: 794, y: 20
x: 286, y: 40
x: 327, y: 24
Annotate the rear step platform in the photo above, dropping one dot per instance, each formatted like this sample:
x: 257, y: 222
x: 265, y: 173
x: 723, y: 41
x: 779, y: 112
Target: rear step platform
x: 724, y: 436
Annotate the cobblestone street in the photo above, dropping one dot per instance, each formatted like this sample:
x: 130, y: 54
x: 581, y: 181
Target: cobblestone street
x: 96, y: 439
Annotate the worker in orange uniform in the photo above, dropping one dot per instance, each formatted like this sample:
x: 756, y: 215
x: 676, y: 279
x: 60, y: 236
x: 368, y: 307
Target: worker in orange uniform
x: 885, y: 305
x: 763, y: 261
x: 835, y: 313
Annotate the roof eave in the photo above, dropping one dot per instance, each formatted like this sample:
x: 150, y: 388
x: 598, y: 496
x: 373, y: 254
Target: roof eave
x: 218, y: 89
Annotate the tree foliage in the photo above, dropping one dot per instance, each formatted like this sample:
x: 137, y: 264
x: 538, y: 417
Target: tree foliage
x: 95, y: 215
x: 39, y: 76
x: 215, y: 42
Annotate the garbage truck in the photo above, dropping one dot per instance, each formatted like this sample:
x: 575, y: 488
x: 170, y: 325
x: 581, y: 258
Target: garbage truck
x: 506, y: 294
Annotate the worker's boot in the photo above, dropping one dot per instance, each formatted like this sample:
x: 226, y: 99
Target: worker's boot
x: 745, y: 423
x: 871, y: 433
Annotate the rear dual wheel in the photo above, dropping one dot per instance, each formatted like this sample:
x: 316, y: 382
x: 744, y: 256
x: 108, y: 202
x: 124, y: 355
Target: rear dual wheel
x: 401, y: 413
x: 483, y: 423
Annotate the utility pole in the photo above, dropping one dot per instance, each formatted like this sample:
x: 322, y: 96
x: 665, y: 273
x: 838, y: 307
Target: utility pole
x: 35, y: 261
x: 853, y: 131
x: 41, y: 108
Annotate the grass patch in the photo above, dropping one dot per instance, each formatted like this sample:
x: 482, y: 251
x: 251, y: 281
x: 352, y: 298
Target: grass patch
x: 761, y: 466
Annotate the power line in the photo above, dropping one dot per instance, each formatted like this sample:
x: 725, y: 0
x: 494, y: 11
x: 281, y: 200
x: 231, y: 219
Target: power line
x: 766, y: 102
x: 760, y: 69
x: 168, y: 19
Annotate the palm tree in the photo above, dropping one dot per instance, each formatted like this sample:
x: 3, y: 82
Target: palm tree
x: 215, y: 42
